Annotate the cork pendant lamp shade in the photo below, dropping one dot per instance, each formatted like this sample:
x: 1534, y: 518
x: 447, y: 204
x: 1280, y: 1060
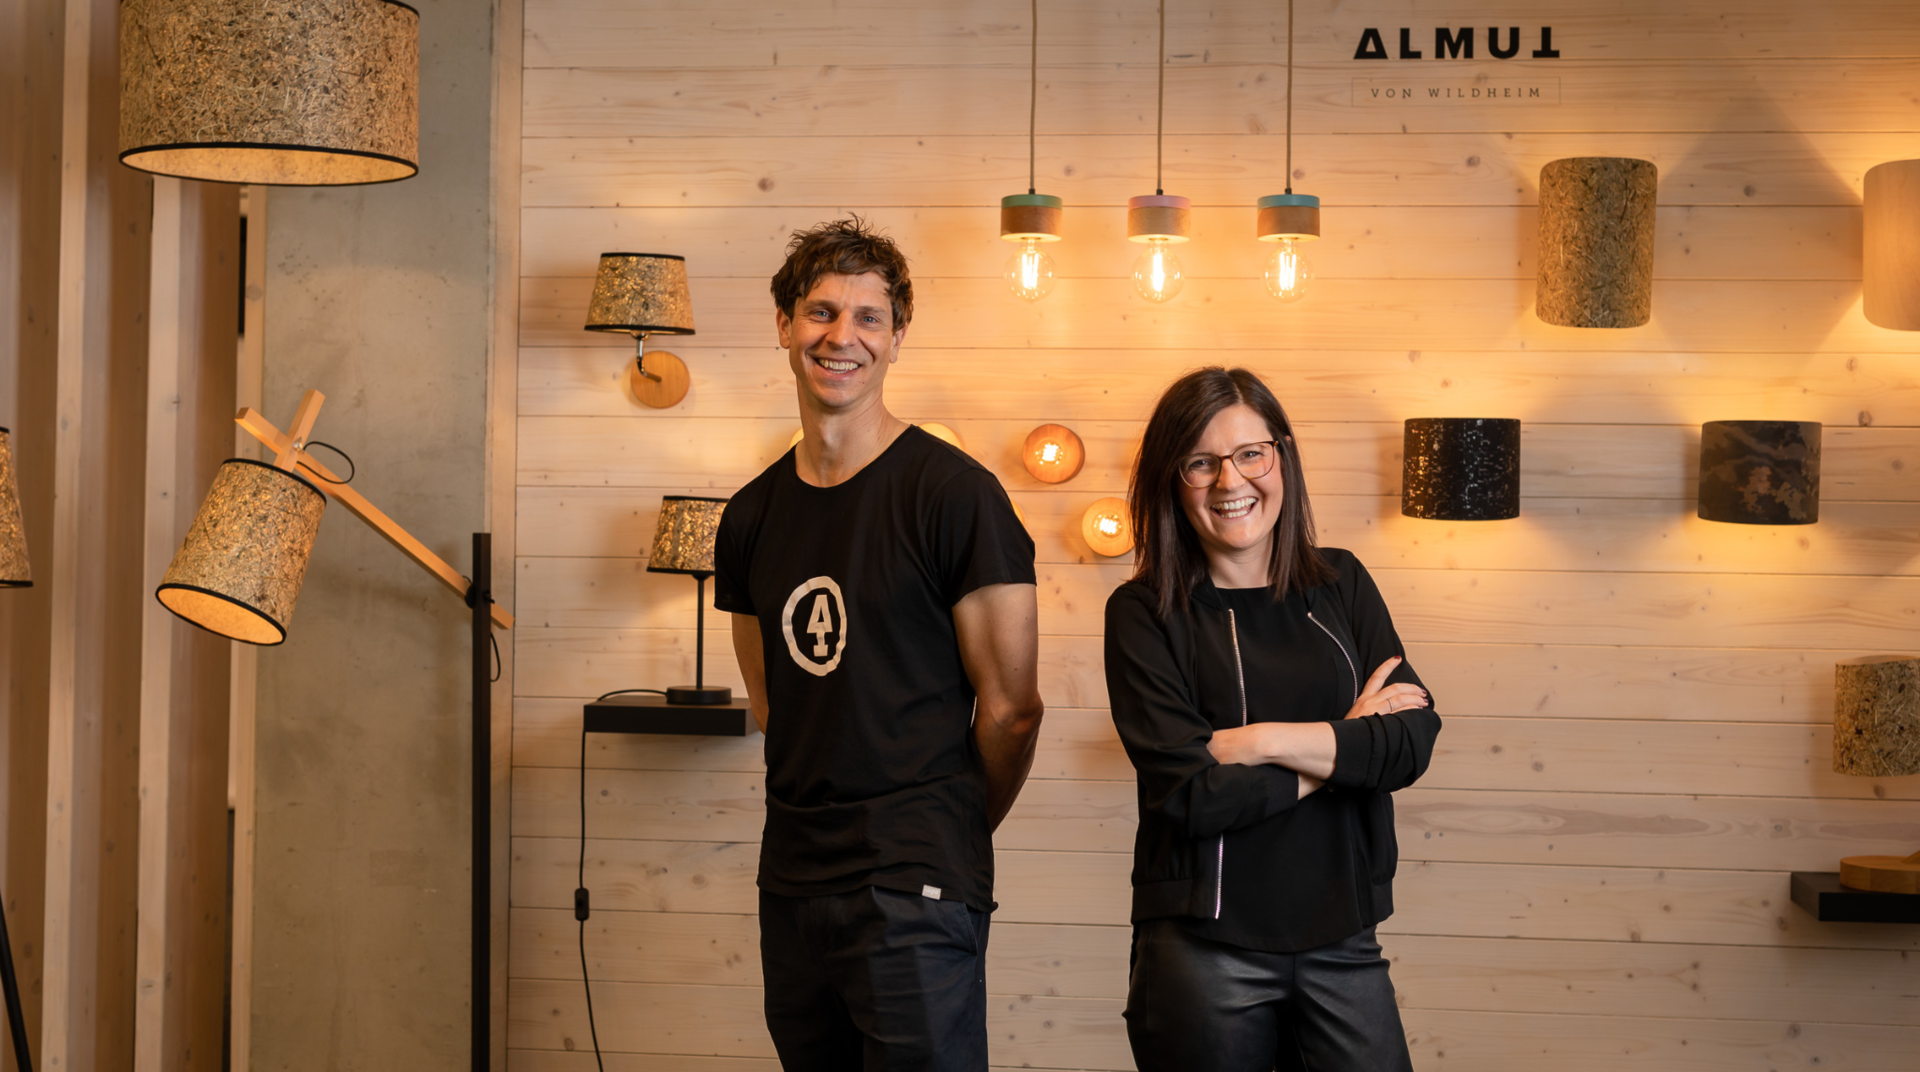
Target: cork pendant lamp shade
x: 1596, y: 242
x: 15, y: 570
x: 281, y: 92
x: 240, y: 569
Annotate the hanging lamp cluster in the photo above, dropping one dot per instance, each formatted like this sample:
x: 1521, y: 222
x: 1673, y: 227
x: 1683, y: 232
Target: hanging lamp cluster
x: 1159, y: 221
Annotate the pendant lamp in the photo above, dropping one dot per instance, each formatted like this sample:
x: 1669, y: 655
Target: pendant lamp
x: 1289, y: 219
x: 281, y: 92
x: 1031, y: 219
x: 1890, y: 271
x: 1159, y: 220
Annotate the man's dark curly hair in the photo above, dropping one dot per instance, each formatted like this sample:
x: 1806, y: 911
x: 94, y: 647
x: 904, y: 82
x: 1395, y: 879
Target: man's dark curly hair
x: 843, y: 247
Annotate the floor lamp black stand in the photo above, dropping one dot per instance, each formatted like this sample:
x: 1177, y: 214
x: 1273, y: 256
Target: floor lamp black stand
x: 480, y: 598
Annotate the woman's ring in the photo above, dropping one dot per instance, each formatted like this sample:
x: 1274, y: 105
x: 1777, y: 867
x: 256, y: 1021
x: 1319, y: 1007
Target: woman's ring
x: 1391, y: 704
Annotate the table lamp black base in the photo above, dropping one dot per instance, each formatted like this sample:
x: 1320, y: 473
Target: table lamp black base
x: 702, y: 695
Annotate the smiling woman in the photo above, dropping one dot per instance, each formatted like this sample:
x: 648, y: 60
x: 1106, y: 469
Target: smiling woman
x: 1265, y: 856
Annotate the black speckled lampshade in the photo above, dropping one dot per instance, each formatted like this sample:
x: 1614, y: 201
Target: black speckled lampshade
x: 1760, y: 472
x: 1461, y: 469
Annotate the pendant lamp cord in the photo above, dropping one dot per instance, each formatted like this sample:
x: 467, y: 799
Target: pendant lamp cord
x: 1289, y: 96
x: 1033, y: 93
x: 1160, y: 116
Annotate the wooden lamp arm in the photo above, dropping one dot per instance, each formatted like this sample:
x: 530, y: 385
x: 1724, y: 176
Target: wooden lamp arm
x: 286, y: 451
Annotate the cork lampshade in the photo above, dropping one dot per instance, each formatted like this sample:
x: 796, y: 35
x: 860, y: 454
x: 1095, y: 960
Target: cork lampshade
x: 15, y: 569
x: 1760, y: 472
x: 1159, y: 218
x: 1461, y: 468
x: 1030, y: 218
x: 645, y: 294
x: 240, y: 569
x: 1107, y: 527
x: 1596, y: 242
x: 683, y: 543
x: 1890, y: 246
x: 1053, y: 454
x: 1876, y: 734
x: 283, y: 92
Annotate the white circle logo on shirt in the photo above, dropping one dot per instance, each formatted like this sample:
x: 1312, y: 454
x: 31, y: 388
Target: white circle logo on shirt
x: 821, y: 636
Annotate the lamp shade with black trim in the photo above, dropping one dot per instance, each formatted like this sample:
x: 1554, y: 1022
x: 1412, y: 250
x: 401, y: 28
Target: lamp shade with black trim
x: 241, y: 567
x: 16, y: 571
x: 683, y: 539
x: 641, y: 293
x: 280, y: 92
x: 1760, y: 472
x: 1461, y: 468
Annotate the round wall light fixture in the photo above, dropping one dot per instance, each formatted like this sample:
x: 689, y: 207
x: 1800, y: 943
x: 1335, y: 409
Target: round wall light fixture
x: 1107, y: 527
x: 1760, y: 472
x: 1461, y: 468
x: 1053, y: 454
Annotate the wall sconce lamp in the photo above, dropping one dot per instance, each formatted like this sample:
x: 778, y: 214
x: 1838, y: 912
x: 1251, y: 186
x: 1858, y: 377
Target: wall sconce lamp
x: 683, y: 543
x: 645, y: 294
x: 1596, y: 242
x: 1760, y: 472
x: 15, y: 569
x: 236, y: 91
x: 1053, y: 454
x: 1461, y: 468
x: 1890, y: 269
x: 1108, y: 527
x: 1876, y: 733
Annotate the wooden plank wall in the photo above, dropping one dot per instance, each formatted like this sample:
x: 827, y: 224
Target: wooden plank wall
x: 1637, y: 702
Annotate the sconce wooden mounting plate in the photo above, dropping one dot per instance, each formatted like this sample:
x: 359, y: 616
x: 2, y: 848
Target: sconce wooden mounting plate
x: 1067, y: 457
x: 668, y: 389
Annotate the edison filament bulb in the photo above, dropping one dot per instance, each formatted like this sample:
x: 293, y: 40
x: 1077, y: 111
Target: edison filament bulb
x: 1029, y: 271
x: 1288, y: 272
x: 1157, y: 273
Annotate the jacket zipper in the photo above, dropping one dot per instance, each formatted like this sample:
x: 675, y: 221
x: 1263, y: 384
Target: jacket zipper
x: 1220, y: 865
x: 1351, y: 669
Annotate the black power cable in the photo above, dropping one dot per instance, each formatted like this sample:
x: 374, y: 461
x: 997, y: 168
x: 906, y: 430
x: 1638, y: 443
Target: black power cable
x: 581, y: 900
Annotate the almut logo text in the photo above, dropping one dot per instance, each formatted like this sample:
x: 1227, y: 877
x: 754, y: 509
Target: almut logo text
x: 1450, y: 43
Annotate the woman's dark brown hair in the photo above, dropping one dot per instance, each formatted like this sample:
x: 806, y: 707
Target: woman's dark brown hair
x: 843, y: 247
x: 1170, y: 560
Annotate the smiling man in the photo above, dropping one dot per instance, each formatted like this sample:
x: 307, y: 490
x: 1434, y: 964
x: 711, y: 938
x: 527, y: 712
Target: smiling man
x: 884, y: 615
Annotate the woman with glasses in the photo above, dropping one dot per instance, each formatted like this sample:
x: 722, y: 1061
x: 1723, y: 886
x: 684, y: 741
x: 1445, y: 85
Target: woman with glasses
x: 1267, y: 706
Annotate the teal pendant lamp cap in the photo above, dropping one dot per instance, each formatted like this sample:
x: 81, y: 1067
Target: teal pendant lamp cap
x: 1289, y: 201
x: 1030, y: 201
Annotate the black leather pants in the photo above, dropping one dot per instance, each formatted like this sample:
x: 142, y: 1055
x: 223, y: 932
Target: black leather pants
x: 1195, y: 1005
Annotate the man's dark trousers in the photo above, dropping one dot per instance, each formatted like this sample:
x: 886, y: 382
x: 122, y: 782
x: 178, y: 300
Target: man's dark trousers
x: 875, y: 980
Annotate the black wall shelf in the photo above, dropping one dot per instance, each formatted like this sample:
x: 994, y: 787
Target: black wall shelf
x: 653, y: 714
x: 1820, y: 893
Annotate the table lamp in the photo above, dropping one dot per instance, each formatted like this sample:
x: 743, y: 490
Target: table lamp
x: 645, y: 294
x: 683, y: 543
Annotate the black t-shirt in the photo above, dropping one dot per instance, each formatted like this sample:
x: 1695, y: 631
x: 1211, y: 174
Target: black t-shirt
x: 872, y: 774
x: 1295, y: 881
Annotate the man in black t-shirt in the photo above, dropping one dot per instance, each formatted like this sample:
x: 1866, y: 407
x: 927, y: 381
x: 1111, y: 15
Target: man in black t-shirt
x: 884, y: 615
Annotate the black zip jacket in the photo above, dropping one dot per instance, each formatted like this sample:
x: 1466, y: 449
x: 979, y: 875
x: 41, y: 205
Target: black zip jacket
x: 1173, y: 681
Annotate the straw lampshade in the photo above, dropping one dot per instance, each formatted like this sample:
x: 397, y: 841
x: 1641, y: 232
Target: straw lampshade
x: 1596, y: 242
x: 1461, y: 468
x: 1108, y: 527
x: 683, y: 543
x: 16, y: 571
x: 284, y: 92
x: 1876, y: 716
x: 646, y: 294
x: 240, y: 569
x: 1760, y: 472
x: 1890, y: 271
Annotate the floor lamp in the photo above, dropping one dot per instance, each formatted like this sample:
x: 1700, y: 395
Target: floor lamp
x: 239, y: 573
x: 15, y: 572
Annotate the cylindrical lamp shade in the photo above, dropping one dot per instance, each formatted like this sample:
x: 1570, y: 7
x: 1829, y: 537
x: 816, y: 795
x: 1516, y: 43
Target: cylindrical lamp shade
x: 1159, y: 217
x: 1461, y: 468
x: 1030, y: 218
x: 1890, y: 246
x: 15, y: 569
x: 683, y: 540
x: 239, y: 572
x: 1596, y: 242
x: 1760, y: 472
x: 1876, y: 716
x: 1282, y: 216
x: 284, y: 92
x: 643, y: 293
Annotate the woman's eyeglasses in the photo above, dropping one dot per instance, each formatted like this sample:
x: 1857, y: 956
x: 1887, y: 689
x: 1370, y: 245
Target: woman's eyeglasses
x: 1253, y: 460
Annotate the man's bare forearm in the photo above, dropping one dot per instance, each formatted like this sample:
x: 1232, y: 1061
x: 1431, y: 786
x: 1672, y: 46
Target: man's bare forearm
x: 1006, y: 741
